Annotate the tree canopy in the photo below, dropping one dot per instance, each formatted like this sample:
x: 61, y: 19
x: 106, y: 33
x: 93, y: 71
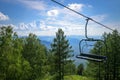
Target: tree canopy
x: 109, y: 70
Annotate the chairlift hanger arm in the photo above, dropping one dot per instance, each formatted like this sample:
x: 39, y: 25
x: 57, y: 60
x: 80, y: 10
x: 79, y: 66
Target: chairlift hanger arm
x: 83, y: 15
x: 86, y: 27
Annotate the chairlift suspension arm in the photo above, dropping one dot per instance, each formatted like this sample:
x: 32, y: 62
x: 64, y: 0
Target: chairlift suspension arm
x: 87, y: 20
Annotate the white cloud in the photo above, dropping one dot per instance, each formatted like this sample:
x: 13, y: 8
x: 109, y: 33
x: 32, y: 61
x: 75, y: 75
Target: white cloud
x: 34, y: 4
x: 23, y: 26
x: 29, y: 26
x: 3, y: 17
x: 99, y: 18
x: 66, y: 25
x: 53, y: 13
x: 63, y: 12
x: 49, y: 26
x: 75, y: 6
x: 114, y: 25
x: 89, y: 6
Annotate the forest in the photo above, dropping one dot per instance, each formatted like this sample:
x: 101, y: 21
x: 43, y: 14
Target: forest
x: 26, y: 58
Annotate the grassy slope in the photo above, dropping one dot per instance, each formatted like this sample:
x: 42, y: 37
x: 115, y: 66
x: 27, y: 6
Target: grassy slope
x: 77, y: 77
x: 72, y: 77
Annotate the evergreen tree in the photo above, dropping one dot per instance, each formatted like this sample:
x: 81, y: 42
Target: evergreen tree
x: 35, y: 53
x: 22, y: 65
x: 80, y: 69
x: 60, y: 49
x: 12, y: 65
x: 109, y: 70
x: 112, y: 41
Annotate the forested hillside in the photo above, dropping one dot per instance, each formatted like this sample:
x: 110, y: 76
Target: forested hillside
x: 26, y: 58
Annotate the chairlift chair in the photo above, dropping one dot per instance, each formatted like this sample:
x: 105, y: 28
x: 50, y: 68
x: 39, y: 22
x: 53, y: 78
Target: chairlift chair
x: 88, y: 56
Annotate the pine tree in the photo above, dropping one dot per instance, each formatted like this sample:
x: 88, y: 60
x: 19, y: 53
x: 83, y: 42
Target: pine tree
x: 60, y: 49
x: 35, y: 53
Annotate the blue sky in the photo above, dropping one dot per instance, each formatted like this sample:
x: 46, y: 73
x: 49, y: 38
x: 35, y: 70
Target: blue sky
x: 43, y: 17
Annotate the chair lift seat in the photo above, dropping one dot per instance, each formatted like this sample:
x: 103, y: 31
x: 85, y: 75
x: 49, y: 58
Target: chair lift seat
x: 92, y: 57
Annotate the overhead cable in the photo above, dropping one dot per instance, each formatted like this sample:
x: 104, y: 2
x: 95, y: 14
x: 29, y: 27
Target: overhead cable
x: 84, y: 15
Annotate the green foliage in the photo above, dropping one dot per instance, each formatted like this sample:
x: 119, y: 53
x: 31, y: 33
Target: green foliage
x: 21, y: 58
x: 77, y: 77
x: 11, y: 61
x: 113, y: 42
x: 109, y: 69
x: 70, y: 68
x: 34, y: 53
x: 60, y: 49
x: 70, y: 77
x: 80, y: 69
x: 27, y: 59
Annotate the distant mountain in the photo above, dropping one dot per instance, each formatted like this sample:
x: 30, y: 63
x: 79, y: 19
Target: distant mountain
x: 74, y: 42
x: 46, y: 38
x: 46, y: 43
